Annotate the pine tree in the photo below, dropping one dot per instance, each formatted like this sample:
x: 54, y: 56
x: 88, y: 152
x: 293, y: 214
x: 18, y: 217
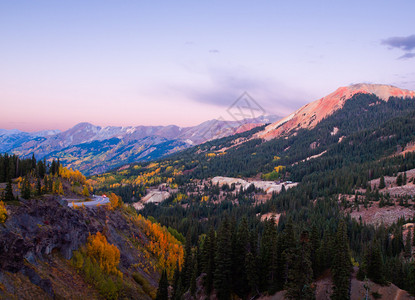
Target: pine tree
x: 176, y: 282
x: 266, y: 255
x: 52, y: 169
x: 408, y: 245
x: 374, y: 261
x: 300, y: 273
x: 38, y: 187
x: 41, y: 169
x: 287, y: 247
x: 252, y: 272
x: 411, y: 278
x: 209, y: 253
x: 399, y: 180
x: 193, y: 278
x: 33, y: 160
x: 187, y: 265
x: 240, y: 247
x: 223, y: 260
x: 382, y: 183
x: 8, y: 196
x: 26, y: 190
x: 315, y: 245
x: 162, y: 292
x: 341, y: 265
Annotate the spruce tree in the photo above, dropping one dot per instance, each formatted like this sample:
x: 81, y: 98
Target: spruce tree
x: 240, y: 247
x: 176, y: 277
x: 52, y: 169
x: 33, y: 161
x: 315, y: 245
x: 162, y: 292
x: 252, y: 272
x: 374, y: 261
x: 411, y: 278
x: 209, y: 253
x: 187, y: 265
x: 26, y: 190
x: 38, y: 187
x: 382, y: 183
x: 287, y: 248
x: 408, y: 245
x: 300, y: 273
x: 8, y: 196
x: 223, y: 260
x: 341, y: 265
x: 399, y: 180
x: 267, y: 257
x: 193, y: 278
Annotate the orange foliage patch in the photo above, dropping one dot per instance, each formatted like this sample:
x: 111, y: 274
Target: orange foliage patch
x: 106, y: 255
x: 166, y: 248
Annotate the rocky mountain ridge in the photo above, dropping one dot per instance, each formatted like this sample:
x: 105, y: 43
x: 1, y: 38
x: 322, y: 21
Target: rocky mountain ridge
x: 94, y: 149
x: 308, y: 116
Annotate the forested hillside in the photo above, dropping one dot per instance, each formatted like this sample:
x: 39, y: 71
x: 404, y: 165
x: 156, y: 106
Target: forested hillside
x: 238, y: 254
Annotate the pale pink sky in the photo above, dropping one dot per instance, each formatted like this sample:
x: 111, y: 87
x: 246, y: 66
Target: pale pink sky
x: 142, y: 63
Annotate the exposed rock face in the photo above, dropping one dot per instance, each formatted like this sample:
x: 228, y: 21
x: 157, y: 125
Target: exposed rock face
x: 37, y: 227
x: 268, y: 186
x: 311, y: 114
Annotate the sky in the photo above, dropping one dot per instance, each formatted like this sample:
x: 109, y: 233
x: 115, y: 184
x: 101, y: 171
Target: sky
x: 128, y: 62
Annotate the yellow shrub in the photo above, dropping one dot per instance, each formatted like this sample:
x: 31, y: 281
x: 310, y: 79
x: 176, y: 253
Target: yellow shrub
x: 3, y: 212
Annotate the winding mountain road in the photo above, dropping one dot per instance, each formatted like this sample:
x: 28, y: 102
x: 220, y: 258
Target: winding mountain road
x: 96, y: 200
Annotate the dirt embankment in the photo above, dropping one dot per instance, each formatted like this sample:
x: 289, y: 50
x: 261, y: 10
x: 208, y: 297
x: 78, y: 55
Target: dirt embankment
x: 324, y: 289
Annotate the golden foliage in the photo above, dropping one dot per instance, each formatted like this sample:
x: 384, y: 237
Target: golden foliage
x: 85, y: 191
x: 3, y: 212
x: 164, y: 246
x: 57, y: 187
x: 152, y: 165
x: 180, y: 197
x: 279, y: 169
x: 106, y: 255
x: 71, y: 175
x: 115, y: 201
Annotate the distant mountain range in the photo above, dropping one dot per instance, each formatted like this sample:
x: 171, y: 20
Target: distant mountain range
x: 95, y: 149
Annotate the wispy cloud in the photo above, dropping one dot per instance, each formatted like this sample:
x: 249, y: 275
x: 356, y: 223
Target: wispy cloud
x: 406, y: 43
x: 408, y: 55
x: 227, y: 85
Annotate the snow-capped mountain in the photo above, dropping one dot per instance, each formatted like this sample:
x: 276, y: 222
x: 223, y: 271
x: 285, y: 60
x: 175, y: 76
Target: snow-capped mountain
x: 94, y: 149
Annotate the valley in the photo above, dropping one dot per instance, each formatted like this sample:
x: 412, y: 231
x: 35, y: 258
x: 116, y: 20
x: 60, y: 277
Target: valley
x: 273, y: 212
